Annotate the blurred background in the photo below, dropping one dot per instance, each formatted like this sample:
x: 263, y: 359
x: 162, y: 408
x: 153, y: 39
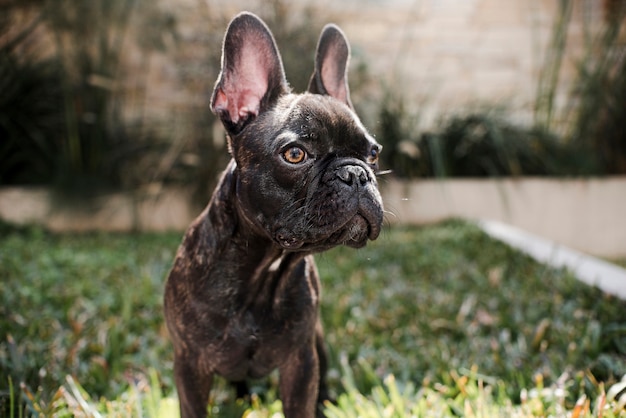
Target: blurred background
x: 506, y: 110
x: 110, y: 95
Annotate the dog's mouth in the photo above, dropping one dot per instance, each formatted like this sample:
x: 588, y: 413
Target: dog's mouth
x: 288, y: 240
x: 354, y: 233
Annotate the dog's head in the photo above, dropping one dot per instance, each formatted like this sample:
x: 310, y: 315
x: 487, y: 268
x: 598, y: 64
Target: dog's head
x: 305, y: 164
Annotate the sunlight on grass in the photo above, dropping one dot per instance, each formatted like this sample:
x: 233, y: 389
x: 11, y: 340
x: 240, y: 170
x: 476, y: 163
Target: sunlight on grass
x: 432, y: 321
x: 142, y: 399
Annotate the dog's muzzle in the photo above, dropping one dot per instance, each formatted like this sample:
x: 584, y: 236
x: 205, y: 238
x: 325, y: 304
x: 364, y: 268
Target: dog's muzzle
x: 344, y: 208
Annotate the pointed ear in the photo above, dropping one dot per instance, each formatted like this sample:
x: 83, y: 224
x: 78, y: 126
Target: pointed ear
x: 252, y: 75
x: 330, y: 76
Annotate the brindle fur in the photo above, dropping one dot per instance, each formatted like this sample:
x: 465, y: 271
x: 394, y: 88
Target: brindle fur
x: 243, y: 295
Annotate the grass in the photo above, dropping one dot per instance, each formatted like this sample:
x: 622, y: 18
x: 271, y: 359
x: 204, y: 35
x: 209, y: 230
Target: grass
x: 432, y: 321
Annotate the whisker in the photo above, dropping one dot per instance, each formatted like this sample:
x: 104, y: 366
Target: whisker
x: 387, y: 214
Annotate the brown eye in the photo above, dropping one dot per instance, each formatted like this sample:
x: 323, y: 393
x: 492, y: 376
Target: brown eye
x: 294, y: 155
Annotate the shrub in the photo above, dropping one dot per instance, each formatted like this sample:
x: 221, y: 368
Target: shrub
x: 32, y: 123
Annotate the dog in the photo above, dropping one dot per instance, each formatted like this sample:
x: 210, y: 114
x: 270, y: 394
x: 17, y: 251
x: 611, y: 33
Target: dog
x: 243, y: 295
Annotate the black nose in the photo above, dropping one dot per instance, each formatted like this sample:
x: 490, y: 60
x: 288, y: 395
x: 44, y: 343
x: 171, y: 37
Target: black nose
x: 353, y: 175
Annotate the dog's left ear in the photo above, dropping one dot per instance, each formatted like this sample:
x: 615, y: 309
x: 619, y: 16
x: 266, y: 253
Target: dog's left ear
x: 330, y: 76
x: 252, y: 76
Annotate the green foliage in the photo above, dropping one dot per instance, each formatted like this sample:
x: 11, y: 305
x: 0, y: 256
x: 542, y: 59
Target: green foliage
x: 60, y: 113
x: 31, y: 118
x: 597, y: 120
x: 587, y: 137
x: 467, y: 393
x: 397, y: 132
x: 422, y: 304
x: 547, y: 84
x: 93, y: 125
x: 484, y: 146
x: 70, y: 112
x: 480, y: 145
x: 87, y: 306
x: 593, y: 121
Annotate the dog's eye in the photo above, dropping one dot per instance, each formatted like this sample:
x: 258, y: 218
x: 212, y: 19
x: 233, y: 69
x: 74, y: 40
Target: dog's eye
x: 294, y: 155
x: 372, y: 158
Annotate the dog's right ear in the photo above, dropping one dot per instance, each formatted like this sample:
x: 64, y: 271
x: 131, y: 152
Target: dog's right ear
x: 330, y: 76
x: 252, y: 76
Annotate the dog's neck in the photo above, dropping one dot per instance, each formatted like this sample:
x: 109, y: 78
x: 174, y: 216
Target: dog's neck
x: 248, y: 247
x: 242, y: 256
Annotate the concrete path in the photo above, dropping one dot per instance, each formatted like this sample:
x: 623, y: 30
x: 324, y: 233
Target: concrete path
x: 591, y: 270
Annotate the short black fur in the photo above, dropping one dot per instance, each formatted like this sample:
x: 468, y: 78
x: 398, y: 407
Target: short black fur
x: 243, y: 295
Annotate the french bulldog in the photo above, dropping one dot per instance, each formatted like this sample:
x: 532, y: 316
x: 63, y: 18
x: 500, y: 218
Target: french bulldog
x: 243, y: 295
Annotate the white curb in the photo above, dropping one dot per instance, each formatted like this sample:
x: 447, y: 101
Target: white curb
x: 591, y: 270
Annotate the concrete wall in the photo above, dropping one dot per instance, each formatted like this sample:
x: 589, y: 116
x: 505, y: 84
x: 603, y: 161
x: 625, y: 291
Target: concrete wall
x: 159, y: 211
x: 587, y: 215
x: 445, y: 56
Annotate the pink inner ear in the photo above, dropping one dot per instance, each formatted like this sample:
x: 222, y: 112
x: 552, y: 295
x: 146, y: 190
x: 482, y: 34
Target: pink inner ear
x: 243, y: 89
x: 333, y: 76
x: 249, y: 104
x: 240, y: 106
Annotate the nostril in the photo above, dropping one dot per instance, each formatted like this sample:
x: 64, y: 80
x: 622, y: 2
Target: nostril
x: 363, y: 177
x: 346, y: 175
x: 351, y: 174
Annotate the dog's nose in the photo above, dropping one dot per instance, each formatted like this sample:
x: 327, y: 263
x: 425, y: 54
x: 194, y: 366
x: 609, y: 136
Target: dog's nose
x: 353, y: 175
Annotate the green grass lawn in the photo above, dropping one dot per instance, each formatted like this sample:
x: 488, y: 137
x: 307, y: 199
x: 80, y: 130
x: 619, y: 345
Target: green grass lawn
x: 432, y: 321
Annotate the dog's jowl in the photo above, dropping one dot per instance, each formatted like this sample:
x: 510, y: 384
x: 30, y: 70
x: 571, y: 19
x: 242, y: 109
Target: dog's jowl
x: 243, y: 296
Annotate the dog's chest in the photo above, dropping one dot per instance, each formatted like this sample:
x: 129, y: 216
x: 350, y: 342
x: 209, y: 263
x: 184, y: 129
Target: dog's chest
x: 270, y: 319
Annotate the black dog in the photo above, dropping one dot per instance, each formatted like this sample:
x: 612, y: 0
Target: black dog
x: 242, y: 298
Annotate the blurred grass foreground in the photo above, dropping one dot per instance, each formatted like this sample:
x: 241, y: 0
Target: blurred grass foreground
x: 431, y: 321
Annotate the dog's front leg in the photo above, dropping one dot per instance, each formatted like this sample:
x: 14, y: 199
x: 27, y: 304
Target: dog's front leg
x: 299, y: 380
x: 322, y: 356
x: 193, y: 386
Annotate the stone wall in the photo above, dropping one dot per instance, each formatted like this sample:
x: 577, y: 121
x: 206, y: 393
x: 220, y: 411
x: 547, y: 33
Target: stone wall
x: 445, y: 56
x: 448, y: 55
